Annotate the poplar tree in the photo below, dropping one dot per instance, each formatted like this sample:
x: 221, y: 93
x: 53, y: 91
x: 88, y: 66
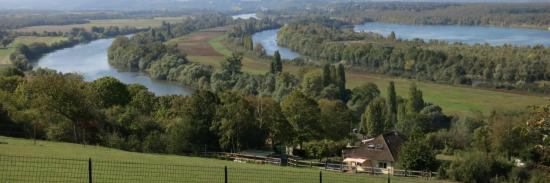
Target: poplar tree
x: 415, y: 101
x: 277, y: 63
x: 392, y: 105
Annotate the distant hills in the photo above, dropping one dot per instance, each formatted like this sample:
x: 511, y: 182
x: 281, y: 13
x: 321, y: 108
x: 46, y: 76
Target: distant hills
x: 188, y: 4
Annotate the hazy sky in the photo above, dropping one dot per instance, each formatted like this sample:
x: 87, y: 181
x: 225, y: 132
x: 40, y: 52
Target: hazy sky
x: 160, y: 4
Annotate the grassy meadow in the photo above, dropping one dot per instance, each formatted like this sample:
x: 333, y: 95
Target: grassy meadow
x: 6, y: 52
x: 22, y: 160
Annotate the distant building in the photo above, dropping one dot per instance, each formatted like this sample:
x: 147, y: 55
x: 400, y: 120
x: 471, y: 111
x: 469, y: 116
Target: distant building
x: 381, y: 153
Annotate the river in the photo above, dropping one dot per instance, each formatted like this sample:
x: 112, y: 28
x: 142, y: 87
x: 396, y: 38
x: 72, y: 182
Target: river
x: 268, y: 39
x: 451, y: 33
x: 90, y: 60
x: 245, y: 16
x: 465, y: 34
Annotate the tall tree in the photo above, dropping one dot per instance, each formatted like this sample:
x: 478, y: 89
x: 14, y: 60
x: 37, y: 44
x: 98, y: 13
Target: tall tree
x: 272, y: 121
x: 336, y: 119
x: 312, y: 84
x: 361, y: 97
x: 342, y: 82
x: 276, y: 63
x: 327, y: 76
x: 374, y: 118
x: 235, y: 123
x: 415, y: 101
x: 392, y: 104
x: 392, y: 36
x: 67, y: 96
x: 302, y: 113
x: 232, y: 64
x: 333, y: 75
x: 111, y: 91
x: 341, y: 77
x: 198, y: 116
x: 247, y: 42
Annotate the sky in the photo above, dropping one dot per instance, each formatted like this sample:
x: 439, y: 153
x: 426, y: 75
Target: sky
x: 163, y: 4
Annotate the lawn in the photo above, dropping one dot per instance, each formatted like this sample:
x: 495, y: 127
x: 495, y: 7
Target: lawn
x: 5, y: 52
x: 454, y: 99
x: 138, y: 23
x: 22, y: 160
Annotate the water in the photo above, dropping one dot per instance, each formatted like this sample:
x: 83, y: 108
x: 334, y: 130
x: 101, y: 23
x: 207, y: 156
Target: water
x: 268, y: 39
x: 246, y: 16
x: 465, y: 34
x: 90, y: 60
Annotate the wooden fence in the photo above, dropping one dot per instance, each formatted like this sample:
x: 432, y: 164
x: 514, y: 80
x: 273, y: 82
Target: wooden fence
x: 339, y: 167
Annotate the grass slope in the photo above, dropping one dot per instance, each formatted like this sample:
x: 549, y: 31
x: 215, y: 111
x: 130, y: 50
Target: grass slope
x: 112, y: 165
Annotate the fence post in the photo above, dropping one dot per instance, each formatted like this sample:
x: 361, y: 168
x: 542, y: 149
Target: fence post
x: 89, y: 170
x: 389, y: 181
x: 320, y: 176
x: 225, y: 170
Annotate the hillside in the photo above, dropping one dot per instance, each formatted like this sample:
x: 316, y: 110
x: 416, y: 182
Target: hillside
x: 113, y: 165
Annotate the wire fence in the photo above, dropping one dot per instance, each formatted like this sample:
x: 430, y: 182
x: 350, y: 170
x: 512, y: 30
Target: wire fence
x: 19, y: 169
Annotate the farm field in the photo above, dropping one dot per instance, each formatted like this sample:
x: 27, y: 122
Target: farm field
x: 62, y: 162
x: 206, y: 47
x: 453, y: 99
x: 5, y: 52
x: 139, y: 23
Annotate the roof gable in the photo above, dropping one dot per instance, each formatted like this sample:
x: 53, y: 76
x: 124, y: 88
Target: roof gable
x: 382, y: 148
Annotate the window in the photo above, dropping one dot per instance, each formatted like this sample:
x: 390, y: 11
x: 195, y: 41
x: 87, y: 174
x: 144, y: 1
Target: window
x: 382, y: 165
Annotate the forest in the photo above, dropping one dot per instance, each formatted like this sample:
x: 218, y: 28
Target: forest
x: 505, y: 67
x: 525, y: 15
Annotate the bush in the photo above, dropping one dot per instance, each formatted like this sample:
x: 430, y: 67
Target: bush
x: 478, y: 167
x: 323, y: 148
x: 417, y: 155
x: 538, y: 176
x: 114, y: 140
x: 154, y: 143
x: 518, y: 175
x: 442, y: 170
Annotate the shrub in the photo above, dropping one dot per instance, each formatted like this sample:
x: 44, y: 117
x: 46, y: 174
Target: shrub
x: 478, y: 167
x: 323, y: 148
x: 154, y: 143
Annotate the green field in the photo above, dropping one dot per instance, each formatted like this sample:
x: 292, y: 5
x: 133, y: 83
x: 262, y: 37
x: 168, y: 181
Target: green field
x: 453, y: 99
x: 28, y: 162
x: 5, y: 52
x: 138, y: 23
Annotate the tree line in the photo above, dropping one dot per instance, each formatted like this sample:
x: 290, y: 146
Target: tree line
x: 14, y: 19
x: 526, y: 15
x: 509, y: 67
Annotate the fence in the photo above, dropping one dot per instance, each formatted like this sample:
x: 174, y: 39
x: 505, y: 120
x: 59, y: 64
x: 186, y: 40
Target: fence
x: 339, y: 167
x: 38, y: 169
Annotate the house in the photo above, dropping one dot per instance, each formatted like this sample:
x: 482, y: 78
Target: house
x: 380, y: 153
